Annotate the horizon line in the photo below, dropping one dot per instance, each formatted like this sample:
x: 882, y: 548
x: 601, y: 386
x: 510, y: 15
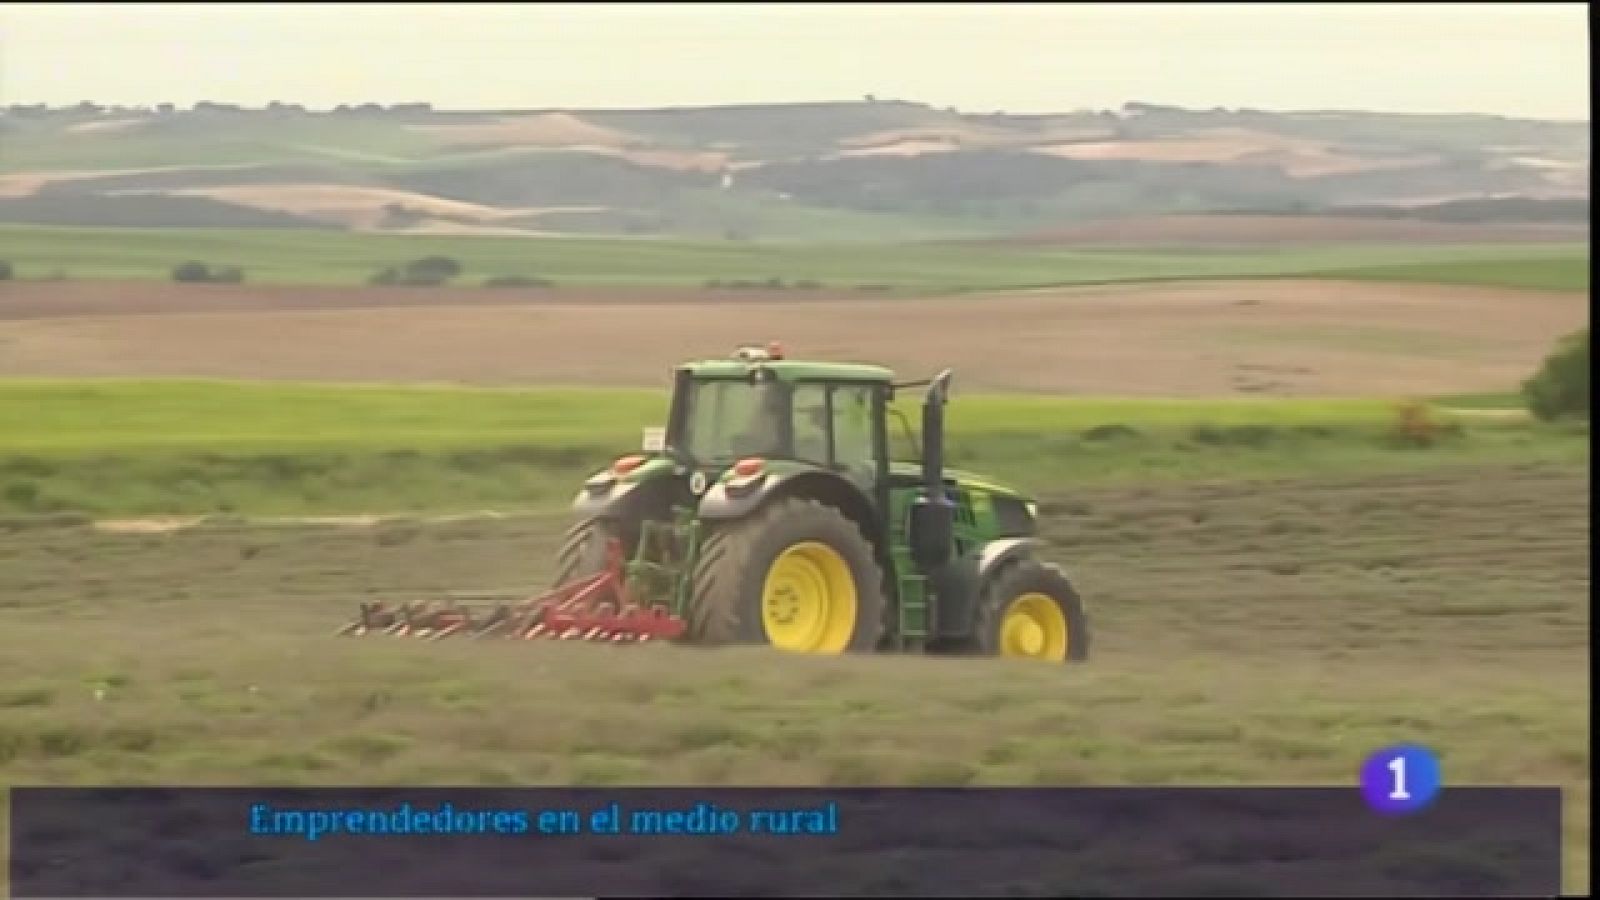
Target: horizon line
x: 357, y: 106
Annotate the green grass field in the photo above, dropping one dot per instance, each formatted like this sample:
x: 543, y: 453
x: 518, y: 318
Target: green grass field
x: 1268, y: 632
x: 335, y: 258
x: 1540, y: 272
x: 108, y: 447
x: 1278, y: 587
x: 113, y: 414
x: 1496, y: 401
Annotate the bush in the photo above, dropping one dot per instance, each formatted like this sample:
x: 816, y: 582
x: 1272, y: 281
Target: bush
x: 398, y: 215
x: 1415, y: 425
x: 191, y: 272
x: 1560, y: 389
x: 499, y: 281
x: 404, y: 276
x: 432, y: 270
x: 6, y: 271
x: 22, y: 495
x: 428, y: 271
x: 199, y: 273
x: 773, y: 283
x: 1116, y: 431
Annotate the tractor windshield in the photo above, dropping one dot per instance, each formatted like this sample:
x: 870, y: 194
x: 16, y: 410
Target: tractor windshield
x: 727, y: 420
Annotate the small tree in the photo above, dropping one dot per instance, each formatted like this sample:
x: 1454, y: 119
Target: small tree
x: 191, y: 272
x: 516, y: 281
x: 398, y: 215
x: 1560, y: 389
x: 199, y: 273
x: 6, y: 272
x: 432, y: 269
x: 424, y: 278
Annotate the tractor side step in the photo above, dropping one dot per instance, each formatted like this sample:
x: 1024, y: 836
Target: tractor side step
x: 913, y: 610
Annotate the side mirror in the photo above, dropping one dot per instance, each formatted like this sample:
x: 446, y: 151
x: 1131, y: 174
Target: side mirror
x: 655, y: 440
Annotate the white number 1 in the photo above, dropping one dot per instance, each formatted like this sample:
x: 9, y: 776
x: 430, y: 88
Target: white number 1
x: 1398, y: 767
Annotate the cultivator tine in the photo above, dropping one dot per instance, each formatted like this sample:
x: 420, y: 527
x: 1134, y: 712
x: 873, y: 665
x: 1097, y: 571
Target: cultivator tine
x: 414, y: 618
x: 373, y: 615
x: 495, y: 623
x: 462, y: 620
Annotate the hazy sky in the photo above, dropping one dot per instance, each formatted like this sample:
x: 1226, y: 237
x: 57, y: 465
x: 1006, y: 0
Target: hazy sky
x: 1518, y: 59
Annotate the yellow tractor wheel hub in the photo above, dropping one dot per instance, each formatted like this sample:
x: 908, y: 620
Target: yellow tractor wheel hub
x: 1034, y: 627
x: 808, y: 604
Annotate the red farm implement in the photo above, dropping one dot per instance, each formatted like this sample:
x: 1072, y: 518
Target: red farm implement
x: 597, y: 607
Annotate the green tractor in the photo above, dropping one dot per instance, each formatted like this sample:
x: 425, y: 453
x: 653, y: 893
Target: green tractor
x: 768, y: 511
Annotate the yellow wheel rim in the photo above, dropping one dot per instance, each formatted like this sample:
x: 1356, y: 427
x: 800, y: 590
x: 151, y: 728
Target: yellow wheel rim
x: 808, y: 604
x: 1034, y: 627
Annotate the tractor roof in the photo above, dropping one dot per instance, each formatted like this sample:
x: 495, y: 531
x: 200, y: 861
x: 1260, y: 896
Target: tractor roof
x: 772, y: 360
x: 791, y: 370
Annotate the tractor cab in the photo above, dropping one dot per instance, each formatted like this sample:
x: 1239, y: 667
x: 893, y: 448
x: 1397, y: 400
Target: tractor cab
x: 758, y: 408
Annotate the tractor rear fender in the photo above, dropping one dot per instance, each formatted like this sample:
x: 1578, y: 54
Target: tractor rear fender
x: 729, y: 499
x: 648, y: 489
x: 960, y: 583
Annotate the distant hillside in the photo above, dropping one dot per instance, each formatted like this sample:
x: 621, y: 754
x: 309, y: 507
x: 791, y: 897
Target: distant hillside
x: 830, y: 171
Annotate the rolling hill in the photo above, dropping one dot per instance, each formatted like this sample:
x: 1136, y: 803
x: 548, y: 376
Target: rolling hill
x: 863, y: 170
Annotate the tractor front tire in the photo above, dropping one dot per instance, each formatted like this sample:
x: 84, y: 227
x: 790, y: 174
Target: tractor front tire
x: 1029, y: 610
x: 797, y: 575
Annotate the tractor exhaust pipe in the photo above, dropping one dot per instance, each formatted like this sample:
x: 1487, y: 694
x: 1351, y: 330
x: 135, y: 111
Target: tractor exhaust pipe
x: 933, y: 434
x: 933, y: 515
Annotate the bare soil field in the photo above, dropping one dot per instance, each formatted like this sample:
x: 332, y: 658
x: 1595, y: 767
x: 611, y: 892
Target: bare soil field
x: 1264, y: 230
x: 1298, y: 157
x: 542, y: 129
x: 347, y: 206
x: 78, y: 299
x: 1286, y: 338
x: 26, y: 184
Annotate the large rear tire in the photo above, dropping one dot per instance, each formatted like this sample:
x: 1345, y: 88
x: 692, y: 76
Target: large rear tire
x: 583, y: 550
x: 797, y: 575
x: 1029, y: 610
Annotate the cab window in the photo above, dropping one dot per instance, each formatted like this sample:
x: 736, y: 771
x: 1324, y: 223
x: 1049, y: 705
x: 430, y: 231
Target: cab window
x: 811, y: 423
x: 852, y: 432
x: 729, y: 419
